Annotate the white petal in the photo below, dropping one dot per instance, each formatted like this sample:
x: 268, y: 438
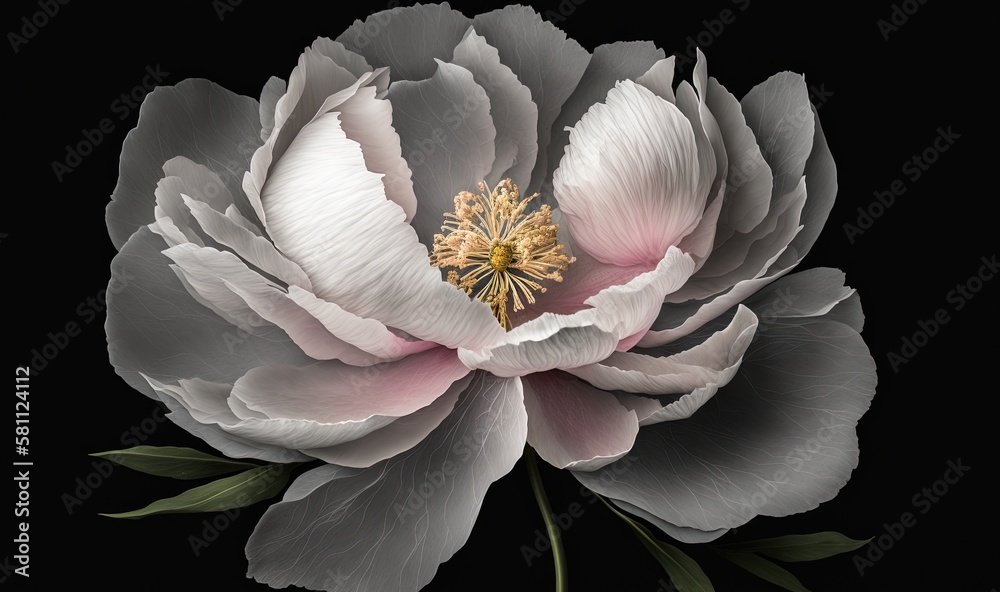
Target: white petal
x: 246, y: 298
x: 748, y: 177
x: 619, y: 314
x: 254, y: 249
x: 714, y: 361
x: 659, y: 78
x: 612, y: 62
x: 780, y: 115
x: 628, y: 183
x: 366, y: 334
x: 399, y: 436
x: 156, y: 328
x: 332, y: 392
x: 213, y: 395
x: 329, y: 214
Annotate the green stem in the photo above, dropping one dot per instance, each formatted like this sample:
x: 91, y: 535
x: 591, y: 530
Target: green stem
x: 558, y: 556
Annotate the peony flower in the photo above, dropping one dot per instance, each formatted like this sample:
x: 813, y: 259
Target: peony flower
x: 445, y: 237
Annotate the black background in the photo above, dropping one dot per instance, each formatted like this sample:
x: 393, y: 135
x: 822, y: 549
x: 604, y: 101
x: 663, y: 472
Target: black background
x: 889, y: 97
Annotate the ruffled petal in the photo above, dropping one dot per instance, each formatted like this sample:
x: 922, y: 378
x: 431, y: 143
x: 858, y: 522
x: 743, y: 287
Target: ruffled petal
x: 618, y: 314
x: 715, y: 361
x: 327, y: 78
x: 407, y: 39
x: 196, y: 119
x: 778, y: 440
x: 546, y: 61
x: 748, y: 179
x: 155, y: 327
x: 332, y: 392
x: 515, y: 116
x: 780, y: 115
x: 329, y: 214
x: 388, y: 527
x: 273, y: 90
x: 400, y: 435
x: 447, y: 135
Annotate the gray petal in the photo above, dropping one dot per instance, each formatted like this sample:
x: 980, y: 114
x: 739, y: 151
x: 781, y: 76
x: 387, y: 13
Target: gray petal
x: 226, y: 443
x: 407, y: 39
x: 810, y: 293
x: 447, y: 135
x: 273, y: 90
x: 388, y: 527
x: 821, y: 184
x: 680, y: 533
x: 515, y: 116
x: 779, y: 439
x: 545, y: 61
x: 155, y: 327
x: 780, y: 115
x: 197, y: 119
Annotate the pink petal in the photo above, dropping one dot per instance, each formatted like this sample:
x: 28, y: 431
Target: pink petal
x: 573, y: 425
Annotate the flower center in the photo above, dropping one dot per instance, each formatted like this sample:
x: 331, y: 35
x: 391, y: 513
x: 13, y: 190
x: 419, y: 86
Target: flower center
x: 500, y: 256
x: 505, y: 250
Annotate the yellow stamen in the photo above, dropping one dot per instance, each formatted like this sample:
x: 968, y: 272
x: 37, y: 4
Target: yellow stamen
x: 493, y: 236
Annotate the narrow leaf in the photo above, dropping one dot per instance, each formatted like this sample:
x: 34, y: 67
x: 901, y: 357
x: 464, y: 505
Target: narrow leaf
x: 800, y: 547
x: 238, y: 491
x: 173, y: 461
x: 764, y: 569
x: 684, y: 571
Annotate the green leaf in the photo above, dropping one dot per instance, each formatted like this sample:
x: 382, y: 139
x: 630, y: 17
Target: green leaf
x: 238, y: 491
x: 764, y: 569
x: 684, y: 571
x: 800, y: 547
x: 174, y: 461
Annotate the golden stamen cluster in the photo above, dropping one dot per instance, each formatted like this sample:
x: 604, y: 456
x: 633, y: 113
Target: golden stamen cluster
x: 506, y: 249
